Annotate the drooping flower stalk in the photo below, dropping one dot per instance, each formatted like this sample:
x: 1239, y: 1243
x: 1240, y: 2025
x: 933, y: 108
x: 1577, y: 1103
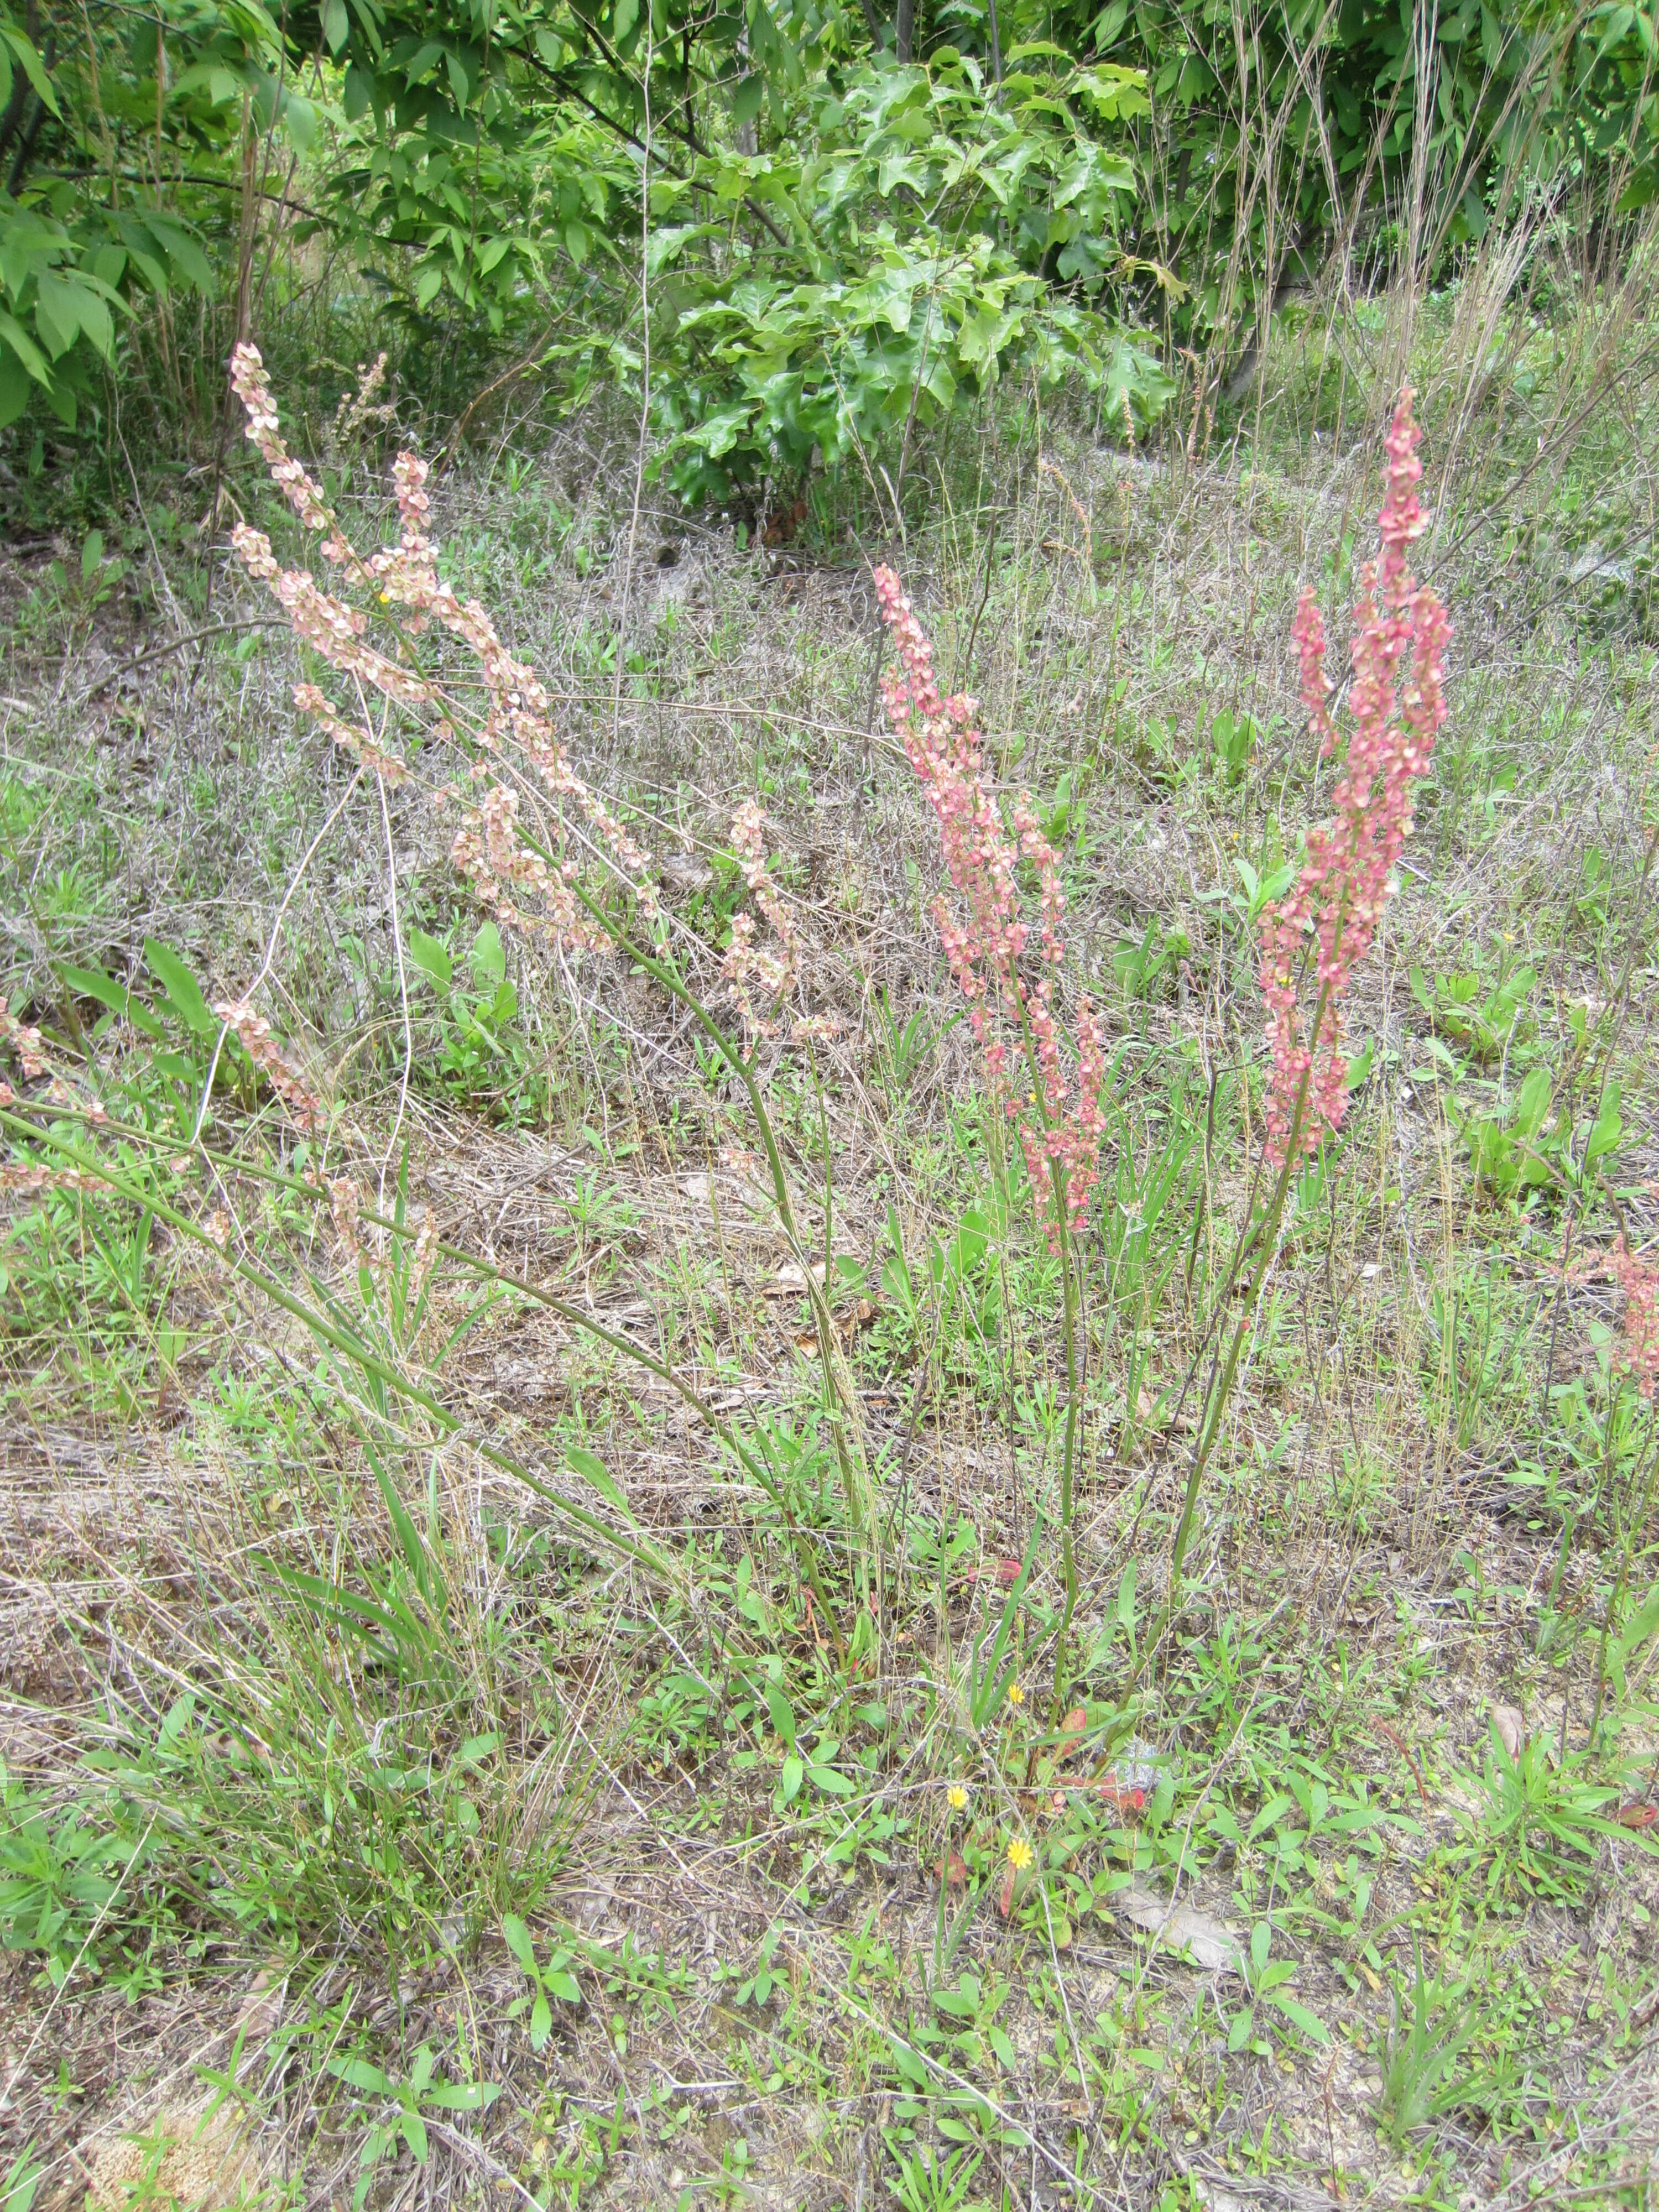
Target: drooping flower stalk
x: 747, y: 964
x: 541, y: 878
x: 254, y: 1032
x: 516, y: 882
x: 1057, y: 1109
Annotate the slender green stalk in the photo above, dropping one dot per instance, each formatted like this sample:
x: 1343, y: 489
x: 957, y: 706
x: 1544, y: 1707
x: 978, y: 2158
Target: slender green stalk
x: 1221, y: 1391
x: 1631, y: 1522
x: 843, y: 1411
x: 643, y: 1551
x: 486, y: 1272
x: 1068, y: 1264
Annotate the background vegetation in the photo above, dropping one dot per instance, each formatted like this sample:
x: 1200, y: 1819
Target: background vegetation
x: 590, y: 1609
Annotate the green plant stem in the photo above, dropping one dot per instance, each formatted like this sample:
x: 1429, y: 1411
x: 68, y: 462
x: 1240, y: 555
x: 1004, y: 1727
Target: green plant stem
x: 1068, y: 1458
x: 1631, y: 1522
x: 1059, y: 1184
x: 854, y: 1482
x: 1221, y: 1392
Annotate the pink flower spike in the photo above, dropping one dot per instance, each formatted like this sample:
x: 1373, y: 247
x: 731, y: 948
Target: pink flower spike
x: 1396, y: 706
x: 1638, y: 1355
x: 984, y: 930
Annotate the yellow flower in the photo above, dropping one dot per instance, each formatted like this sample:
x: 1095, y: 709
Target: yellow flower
x: 955, y: 1798
x: 1019, y: 1854
x: 1016, y: 1695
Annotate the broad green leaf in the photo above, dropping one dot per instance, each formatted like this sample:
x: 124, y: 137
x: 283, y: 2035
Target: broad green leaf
x: 1299, y: 2016
x: 432, y: 957
x: 358, y: 2074
x: 184, y: 992
x: 461, y: 2097
x: 783, y: 1715
x: 489, y: 959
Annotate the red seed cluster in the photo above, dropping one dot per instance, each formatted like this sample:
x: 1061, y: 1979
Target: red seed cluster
x: 1397, y: 707
x: 1060, y: 1120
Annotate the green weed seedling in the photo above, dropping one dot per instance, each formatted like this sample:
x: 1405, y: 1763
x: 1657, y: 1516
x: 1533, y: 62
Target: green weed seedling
x: 61, y: 1875
x: 482, y: 1056
x: 1265, y: 1979
x: 1510, y: 1151
x: 974, y: 2004
x: 1261, y: 886
x: 905, y: 1047
x: 548, y: 1980
x: 1538, y: 1829
x: 756, y: 1988
x: 1141, y: 964
x: 1415, y: 2061
x: 1483, y: 1019
x: 957, y: 1294
x: 1234, y: 738
x: 922, y: 2181
x: 401, y: 2104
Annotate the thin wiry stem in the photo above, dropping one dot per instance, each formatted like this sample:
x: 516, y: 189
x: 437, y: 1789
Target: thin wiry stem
x: 295, y: 881
x: 402, y: 991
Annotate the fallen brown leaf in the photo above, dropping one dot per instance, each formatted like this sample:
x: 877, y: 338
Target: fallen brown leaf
x: 1512, y: 1729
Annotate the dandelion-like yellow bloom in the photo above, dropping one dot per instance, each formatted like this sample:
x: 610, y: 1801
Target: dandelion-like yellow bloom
x: 1019, y: 1854
x: 955, y: 1798
x: 1016, y: 1695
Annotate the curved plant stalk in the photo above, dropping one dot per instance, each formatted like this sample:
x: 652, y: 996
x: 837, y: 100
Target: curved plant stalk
x: 485, y: 1271
x: 495, y: 855
x: 640, y: 1550
x: 846, y: 1422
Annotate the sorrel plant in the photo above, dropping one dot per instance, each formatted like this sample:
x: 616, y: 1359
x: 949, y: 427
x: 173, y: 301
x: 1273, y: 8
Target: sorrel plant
x: 1313, y: 938
x: 1052, y: 1097
x: 1316, y: 935
x: 547, y: 855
